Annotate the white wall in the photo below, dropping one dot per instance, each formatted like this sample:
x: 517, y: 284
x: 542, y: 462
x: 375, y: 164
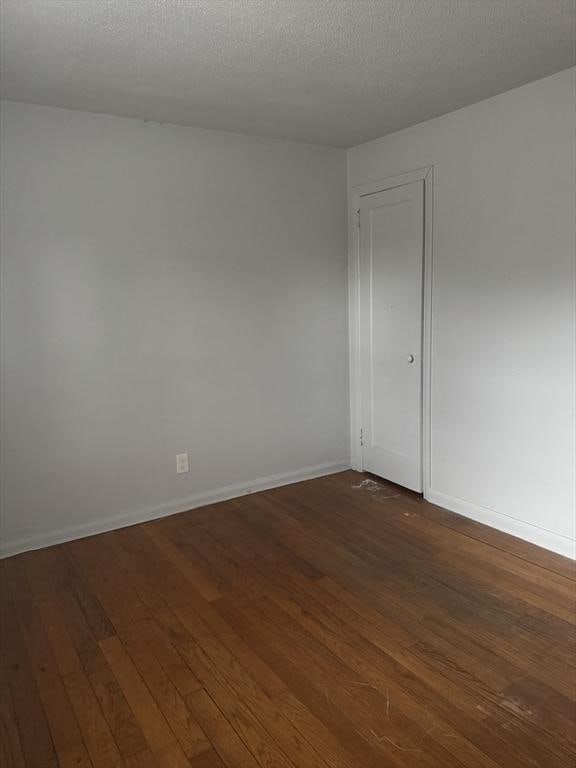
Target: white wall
x: 165, y: 289
x: 503, y: 328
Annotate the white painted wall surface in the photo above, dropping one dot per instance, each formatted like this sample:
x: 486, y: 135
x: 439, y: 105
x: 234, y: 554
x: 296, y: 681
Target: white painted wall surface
x: 165, y: 290
x: 503, y: 316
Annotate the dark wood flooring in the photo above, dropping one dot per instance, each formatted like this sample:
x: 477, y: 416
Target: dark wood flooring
x: 336, y: 622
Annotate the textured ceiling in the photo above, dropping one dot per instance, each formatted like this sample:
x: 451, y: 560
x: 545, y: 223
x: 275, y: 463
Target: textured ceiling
x: 329, y: 71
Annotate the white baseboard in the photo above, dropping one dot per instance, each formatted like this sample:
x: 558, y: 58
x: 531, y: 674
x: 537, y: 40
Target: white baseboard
x: 47, y: 539
x: 562, y: 545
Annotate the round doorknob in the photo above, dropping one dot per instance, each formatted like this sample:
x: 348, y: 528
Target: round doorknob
x: 410, y: 358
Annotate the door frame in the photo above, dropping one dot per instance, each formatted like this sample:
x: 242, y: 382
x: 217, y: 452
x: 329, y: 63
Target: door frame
x: 426, y: 175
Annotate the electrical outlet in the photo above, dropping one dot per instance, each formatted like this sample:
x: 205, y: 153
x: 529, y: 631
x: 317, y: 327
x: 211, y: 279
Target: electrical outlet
x: 182, y: 464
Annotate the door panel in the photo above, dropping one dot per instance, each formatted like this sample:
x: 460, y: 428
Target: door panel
x: 391, y: 289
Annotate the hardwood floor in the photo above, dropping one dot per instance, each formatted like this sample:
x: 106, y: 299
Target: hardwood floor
x: 336, y: 622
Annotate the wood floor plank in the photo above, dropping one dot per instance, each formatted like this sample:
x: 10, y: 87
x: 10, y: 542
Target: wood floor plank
x: 500, y: 610
x: 360, y: 691
x: 176, y: 593
x: 61, y: 719
x: 197, y: 577
x: 222, y: 666
x: 341, y: 622
x: 307, y: 684
x: 171, y: 704
x: 11, y: 754
x: 97, y: 619
x: 266, y: 577
x: 227, y: 743
x: 157, y: 639
x: 59, y: 638
x: 503, y: 542
x: 315, y: 732
x: 162, y: 742
x: 30, y: 718
x: 218, y: 671
x: 467, y: 551
x: 176, y: 669
x: 72, y: 627
x: 208, y: 760
x: 144, y: 759
x: 112, y: 701
x: 97, y: 736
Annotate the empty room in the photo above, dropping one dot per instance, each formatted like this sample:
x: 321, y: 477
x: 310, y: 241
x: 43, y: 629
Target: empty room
x: 288, y: 384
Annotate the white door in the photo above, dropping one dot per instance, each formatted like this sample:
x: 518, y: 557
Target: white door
x: 391, y: 291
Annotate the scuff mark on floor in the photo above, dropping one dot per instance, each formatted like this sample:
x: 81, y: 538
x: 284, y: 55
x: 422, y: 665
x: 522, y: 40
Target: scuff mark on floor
x: 382, y: 738
x: 368, y: 485
x: 516, y: 706
x: 374, y: 487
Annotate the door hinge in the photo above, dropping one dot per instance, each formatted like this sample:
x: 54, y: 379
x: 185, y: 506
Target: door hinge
x: 361, y: 437
x: 358, y: 217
